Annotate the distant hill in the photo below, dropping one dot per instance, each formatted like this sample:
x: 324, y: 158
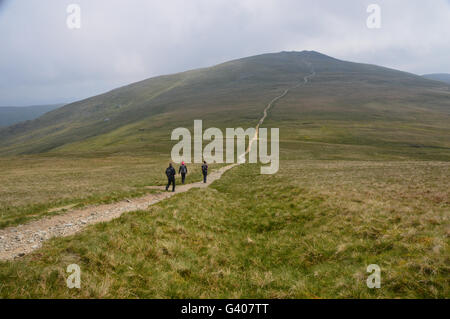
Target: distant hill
x: 10, y: 115
x: 346, y: 103
x: 443, y: 77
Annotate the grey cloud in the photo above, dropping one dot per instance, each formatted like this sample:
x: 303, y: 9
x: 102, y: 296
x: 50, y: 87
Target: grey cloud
x: 42, y: 61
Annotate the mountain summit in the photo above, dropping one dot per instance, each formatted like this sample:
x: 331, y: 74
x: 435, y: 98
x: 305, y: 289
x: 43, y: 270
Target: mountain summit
x: 141, y: 115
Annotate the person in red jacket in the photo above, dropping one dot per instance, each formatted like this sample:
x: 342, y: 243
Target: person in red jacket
x: 183, y: 171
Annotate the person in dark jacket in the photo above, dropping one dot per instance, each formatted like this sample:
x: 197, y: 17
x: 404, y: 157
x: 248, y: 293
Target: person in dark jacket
x: 204, y: 171
x: 183, y: 171
x: 170, y: 172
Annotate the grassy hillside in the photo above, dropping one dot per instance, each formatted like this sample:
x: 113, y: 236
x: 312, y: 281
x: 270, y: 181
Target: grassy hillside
x: 379, y: 118
x: 139, y: 117
x: 10, y: 115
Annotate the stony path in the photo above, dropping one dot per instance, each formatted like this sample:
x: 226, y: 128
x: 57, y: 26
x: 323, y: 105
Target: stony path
x: 23, y: 239
x: 20, y: 240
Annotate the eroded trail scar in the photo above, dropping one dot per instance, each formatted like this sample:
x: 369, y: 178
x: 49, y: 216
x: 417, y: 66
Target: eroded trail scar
x: 269, y: 106
x: 23, y: 239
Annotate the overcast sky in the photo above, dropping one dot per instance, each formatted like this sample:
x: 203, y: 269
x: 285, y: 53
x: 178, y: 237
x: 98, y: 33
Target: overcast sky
x: 122, y: 41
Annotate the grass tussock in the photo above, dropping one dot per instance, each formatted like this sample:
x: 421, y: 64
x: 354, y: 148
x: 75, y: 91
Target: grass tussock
x: 36, y: 186
x: 290, y: 235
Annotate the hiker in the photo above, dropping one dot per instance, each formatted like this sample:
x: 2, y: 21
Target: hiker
x: 204, y: 171
x: 183, y: 172
x: 170, y: 172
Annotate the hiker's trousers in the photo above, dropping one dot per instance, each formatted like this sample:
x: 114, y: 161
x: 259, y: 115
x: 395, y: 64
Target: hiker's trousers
x: 171, y: 180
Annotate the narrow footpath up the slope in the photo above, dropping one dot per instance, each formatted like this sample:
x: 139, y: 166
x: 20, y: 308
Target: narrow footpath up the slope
x: 23, y: 239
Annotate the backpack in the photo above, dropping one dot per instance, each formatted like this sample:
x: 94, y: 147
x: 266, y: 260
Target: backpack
x: 170, y: 172
x: 183, y: 169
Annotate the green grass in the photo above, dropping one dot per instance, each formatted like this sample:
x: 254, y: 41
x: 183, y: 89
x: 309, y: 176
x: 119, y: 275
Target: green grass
x: 35, y: 186
x: 280, y: 238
